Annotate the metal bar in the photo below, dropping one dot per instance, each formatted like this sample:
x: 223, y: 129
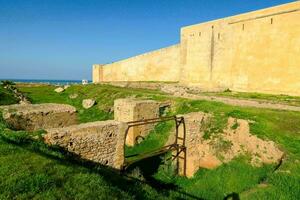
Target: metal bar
x: 178, y: 147
x: 184, y: 164
x: 146, y: 120
x: 168, y: 146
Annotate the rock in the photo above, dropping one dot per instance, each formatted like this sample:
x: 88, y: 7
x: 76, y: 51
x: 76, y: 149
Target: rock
x: 59, y: 90
x: 33, y: 117
x: 174, y: 89
x: 73, y: 96
x: 139, y: 139
x: 24, y: 102
x: 88, y: 103
x: 66, y: 86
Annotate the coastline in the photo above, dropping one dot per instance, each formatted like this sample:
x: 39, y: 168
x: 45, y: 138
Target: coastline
x: 45, y: 82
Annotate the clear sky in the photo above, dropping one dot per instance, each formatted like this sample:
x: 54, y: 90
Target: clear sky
x: 61, y: 39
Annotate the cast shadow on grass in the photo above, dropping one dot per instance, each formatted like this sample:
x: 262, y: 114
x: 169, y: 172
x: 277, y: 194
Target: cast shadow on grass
x: 232, y: 196
x: 114, y: 177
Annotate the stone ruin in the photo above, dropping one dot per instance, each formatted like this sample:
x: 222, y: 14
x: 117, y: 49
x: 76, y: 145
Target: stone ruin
x: 234, y: 141
x: 101, y: 142
x: 33, y: 117
x: 127, y: 110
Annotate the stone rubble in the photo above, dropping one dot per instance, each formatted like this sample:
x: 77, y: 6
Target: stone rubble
x: 33, y: 117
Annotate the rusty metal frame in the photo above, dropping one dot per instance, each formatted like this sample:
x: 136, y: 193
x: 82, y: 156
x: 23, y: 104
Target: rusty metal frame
x: 169, y: 148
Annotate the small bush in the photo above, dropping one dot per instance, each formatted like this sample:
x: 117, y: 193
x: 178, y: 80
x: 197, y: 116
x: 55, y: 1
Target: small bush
x: 227, y: 90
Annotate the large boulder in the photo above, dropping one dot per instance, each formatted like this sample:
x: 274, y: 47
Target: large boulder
x: 32, y: 117
x: 88, y: 103
x: 59, y: 90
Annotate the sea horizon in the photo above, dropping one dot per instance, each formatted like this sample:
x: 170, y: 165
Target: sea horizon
x: 47, y: 81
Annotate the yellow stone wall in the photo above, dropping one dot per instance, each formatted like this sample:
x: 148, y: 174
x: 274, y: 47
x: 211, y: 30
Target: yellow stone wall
x: 159, y: 65
x: 253, y: 52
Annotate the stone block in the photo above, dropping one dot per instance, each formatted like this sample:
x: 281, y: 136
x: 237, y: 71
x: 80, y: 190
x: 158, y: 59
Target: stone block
x: 127, y: 110
x: 101, y: 142
x: 33, y: 117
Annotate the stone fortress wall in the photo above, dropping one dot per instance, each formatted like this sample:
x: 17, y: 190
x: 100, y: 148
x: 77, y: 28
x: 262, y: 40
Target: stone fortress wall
x: 159, y: 65
x: 253, y: 52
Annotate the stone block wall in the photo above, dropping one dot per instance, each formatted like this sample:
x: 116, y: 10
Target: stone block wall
x: 195, y: 124
x: 33, y: 117
x: 158, y: 65
x: 101, y: 142
x: 127, y: 110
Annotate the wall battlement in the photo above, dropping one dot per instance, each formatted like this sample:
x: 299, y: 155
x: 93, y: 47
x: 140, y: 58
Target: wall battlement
x: 257, y: 51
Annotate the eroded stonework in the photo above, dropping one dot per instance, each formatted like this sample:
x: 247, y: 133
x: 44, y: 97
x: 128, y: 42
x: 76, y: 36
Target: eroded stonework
x: 33, y: 117
x: 101, y: 142
x: 234, y: 141
x: 127, y: 110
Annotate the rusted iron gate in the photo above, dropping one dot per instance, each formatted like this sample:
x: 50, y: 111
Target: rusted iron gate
x: 177, y: 146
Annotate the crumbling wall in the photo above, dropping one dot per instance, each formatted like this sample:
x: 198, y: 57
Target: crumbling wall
x: 195, y: 124
x: 235, y: 140
x: 127, y: 110
x: 101, y: 142
x: 39, y: 116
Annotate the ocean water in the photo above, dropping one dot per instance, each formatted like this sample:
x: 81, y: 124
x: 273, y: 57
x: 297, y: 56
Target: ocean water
x: 52, y: 82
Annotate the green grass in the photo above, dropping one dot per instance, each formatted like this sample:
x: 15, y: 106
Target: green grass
x: 29, y: 169
x: 156, y: 139
x: 6, y: 97
x: 282, y: 99
x: 104, y: 96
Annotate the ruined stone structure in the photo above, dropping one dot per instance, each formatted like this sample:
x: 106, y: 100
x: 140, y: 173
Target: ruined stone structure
x: 253, y: 52
x: 127, y: 110
x: 101, y: 142
x: 195, y: 124
x: 222, y: 147
x: 33, y: 117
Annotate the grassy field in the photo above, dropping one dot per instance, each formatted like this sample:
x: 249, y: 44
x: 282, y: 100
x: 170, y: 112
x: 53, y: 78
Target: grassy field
x: 282, y: 99
x: 6, y: 97
x: 31, y: 170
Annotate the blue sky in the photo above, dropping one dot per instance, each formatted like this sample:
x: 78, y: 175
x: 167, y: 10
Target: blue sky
x: 61, y: 39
